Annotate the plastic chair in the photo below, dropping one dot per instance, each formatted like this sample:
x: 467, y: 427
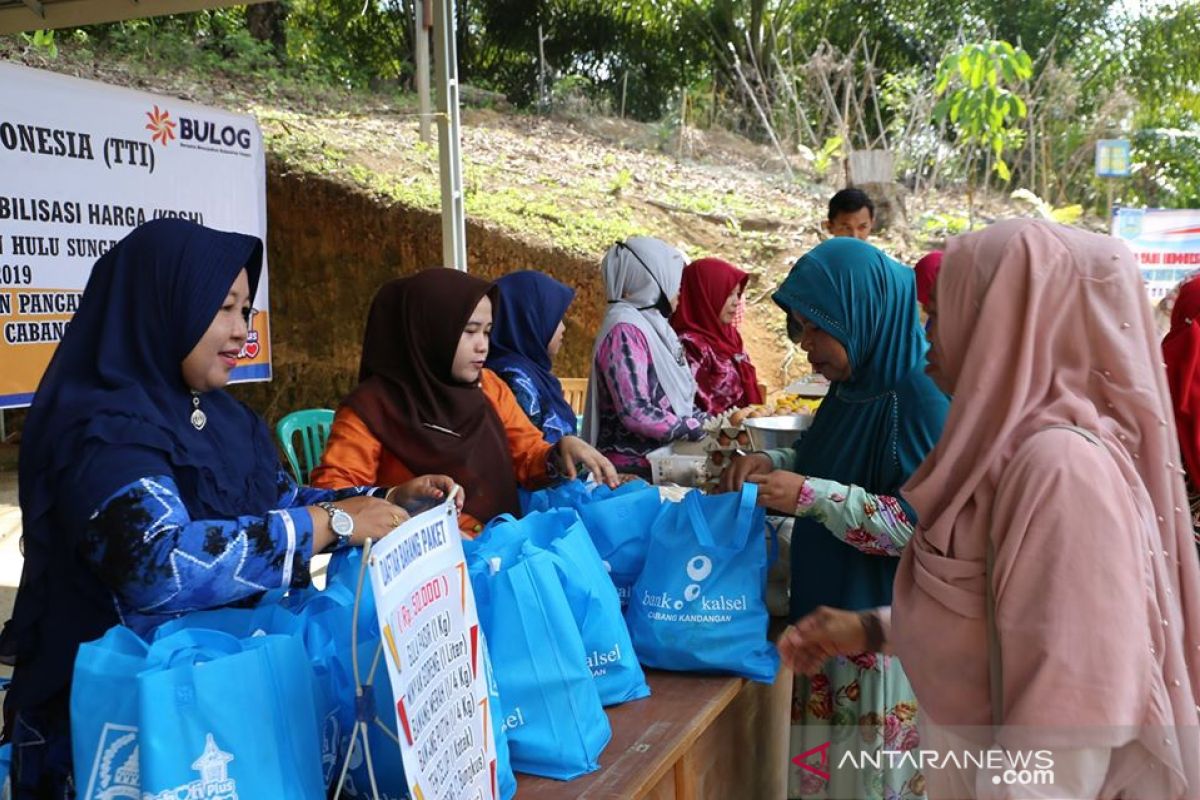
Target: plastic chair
x: 313, y: 425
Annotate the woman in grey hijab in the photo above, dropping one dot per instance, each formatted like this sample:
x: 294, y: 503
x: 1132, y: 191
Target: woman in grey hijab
x: 641, y: 394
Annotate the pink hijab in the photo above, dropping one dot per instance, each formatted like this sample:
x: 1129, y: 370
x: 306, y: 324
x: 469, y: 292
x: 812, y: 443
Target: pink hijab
x: 1096, y: 576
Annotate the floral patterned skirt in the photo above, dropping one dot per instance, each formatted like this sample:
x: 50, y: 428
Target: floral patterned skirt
x: 858, y: 712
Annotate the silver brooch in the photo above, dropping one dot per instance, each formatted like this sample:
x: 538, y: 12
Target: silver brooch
x: 199, y: 418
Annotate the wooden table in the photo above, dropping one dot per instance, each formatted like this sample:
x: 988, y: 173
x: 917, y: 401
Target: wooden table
x: 695, y: 737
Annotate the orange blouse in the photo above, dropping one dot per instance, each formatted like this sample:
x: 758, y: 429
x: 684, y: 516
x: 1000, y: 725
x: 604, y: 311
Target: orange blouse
x: 354, y: 457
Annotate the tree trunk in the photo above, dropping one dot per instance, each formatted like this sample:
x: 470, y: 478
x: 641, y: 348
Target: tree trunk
x: 971, y: 190
x: 265, y: 21
x: 754, y: 36
x: 463, y: 43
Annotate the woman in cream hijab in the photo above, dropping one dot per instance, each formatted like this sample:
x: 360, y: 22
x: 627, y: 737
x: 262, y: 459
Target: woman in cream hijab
x: 1051, y: 588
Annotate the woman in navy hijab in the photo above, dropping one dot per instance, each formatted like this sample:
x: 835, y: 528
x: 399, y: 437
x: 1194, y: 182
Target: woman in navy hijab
x: 526, y: 336
x: 146, y: 491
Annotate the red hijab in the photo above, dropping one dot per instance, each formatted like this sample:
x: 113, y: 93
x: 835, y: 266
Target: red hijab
x: 1181, y: 352
x: 707, y: 284
x: 927, y: 271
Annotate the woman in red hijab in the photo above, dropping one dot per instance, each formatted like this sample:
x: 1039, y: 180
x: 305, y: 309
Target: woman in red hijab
x: 927, y: 271
x: 708, y: 302
x: 1181, y: 354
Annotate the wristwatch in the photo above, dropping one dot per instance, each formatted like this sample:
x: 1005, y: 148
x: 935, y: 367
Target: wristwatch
x: 341, y: 523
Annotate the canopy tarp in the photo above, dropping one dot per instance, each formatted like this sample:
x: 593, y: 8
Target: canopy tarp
x: 32, y: 15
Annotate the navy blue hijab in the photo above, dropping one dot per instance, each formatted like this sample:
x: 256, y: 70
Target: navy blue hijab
x: 531, y: 306
x: 113, y: 407
x: 871, y: 430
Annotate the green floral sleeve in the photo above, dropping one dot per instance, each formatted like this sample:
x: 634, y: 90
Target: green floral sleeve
x: 875, y: 524
x: 782, y: 458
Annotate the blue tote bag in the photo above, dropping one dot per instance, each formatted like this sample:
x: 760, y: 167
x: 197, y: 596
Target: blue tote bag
x: 325, y: 617
x: 290, y: 617
x: 343, y: 577
x: 588, y: 589
x: 553, y: 719
x: 618, y: 521
x: 378, y: 703
x: 620, y: 524
x: 241, y: 623
x: 104, y: 715
x: 506, y: 782
x: 698, y: 605
x: 220, y: 716
x: 573, y: 494
x: 569, y: 494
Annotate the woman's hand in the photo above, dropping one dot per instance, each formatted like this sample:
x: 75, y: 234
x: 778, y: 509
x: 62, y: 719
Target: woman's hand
x: 373, y: 517
x: 806, y: 645
x: 742, y: 467
x: 434, y: 488
x: 778, y: 490
x: 572, y: 450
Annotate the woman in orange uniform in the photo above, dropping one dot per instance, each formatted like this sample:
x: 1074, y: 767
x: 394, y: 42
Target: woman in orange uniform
x: 425, y: 405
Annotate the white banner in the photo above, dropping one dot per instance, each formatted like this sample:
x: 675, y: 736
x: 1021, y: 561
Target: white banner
x: 1165, y: 241
x: 81, y: 165
x: 435, y: 661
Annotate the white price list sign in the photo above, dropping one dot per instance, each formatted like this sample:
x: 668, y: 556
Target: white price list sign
x: 430, y: 625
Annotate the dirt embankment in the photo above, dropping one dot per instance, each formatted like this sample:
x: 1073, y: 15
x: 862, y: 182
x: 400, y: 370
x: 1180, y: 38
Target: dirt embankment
x: 353, y: 199
x: 331, y: 245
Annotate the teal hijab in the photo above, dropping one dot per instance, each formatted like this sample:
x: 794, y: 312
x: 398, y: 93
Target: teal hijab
x: 871, y: 430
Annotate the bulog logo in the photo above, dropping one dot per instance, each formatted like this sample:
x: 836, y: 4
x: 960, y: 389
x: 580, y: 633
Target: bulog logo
x: 161, y: 126
x: 213, y: 134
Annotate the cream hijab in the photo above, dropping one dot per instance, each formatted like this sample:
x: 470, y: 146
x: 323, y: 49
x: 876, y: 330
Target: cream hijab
x: 1096, y: 576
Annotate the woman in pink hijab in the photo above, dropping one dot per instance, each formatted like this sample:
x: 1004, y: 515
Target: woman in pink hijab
x: 1051, y: 588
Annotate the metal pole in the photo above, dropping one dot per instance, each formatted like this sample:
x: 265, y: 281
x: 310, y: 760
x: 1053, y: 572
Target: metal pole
x: 543, y: 101
x: 421, y: 54
x: 682, y: 123
x: 454, y: 225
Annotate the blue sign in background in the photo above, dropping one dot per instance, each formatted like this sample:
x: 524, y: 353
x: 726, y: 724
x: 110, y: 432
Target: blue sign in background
x: 1113, y: 159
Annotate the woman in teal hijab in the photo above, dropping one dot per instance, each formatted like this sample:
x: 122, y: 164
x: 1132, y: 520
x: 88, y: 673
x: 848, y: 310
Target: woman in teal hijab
x: 842, y: 480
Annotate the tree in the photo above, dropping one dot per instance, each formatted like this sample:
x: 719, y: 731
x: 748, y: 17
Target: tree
x: 601, y: 42
x: 267, y: 23
x: 981, y: 107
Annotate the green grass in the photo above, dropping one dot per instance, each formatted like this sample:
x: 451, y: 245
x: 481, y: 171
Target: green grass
x: 543, y: 217
x: 363, y: 139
